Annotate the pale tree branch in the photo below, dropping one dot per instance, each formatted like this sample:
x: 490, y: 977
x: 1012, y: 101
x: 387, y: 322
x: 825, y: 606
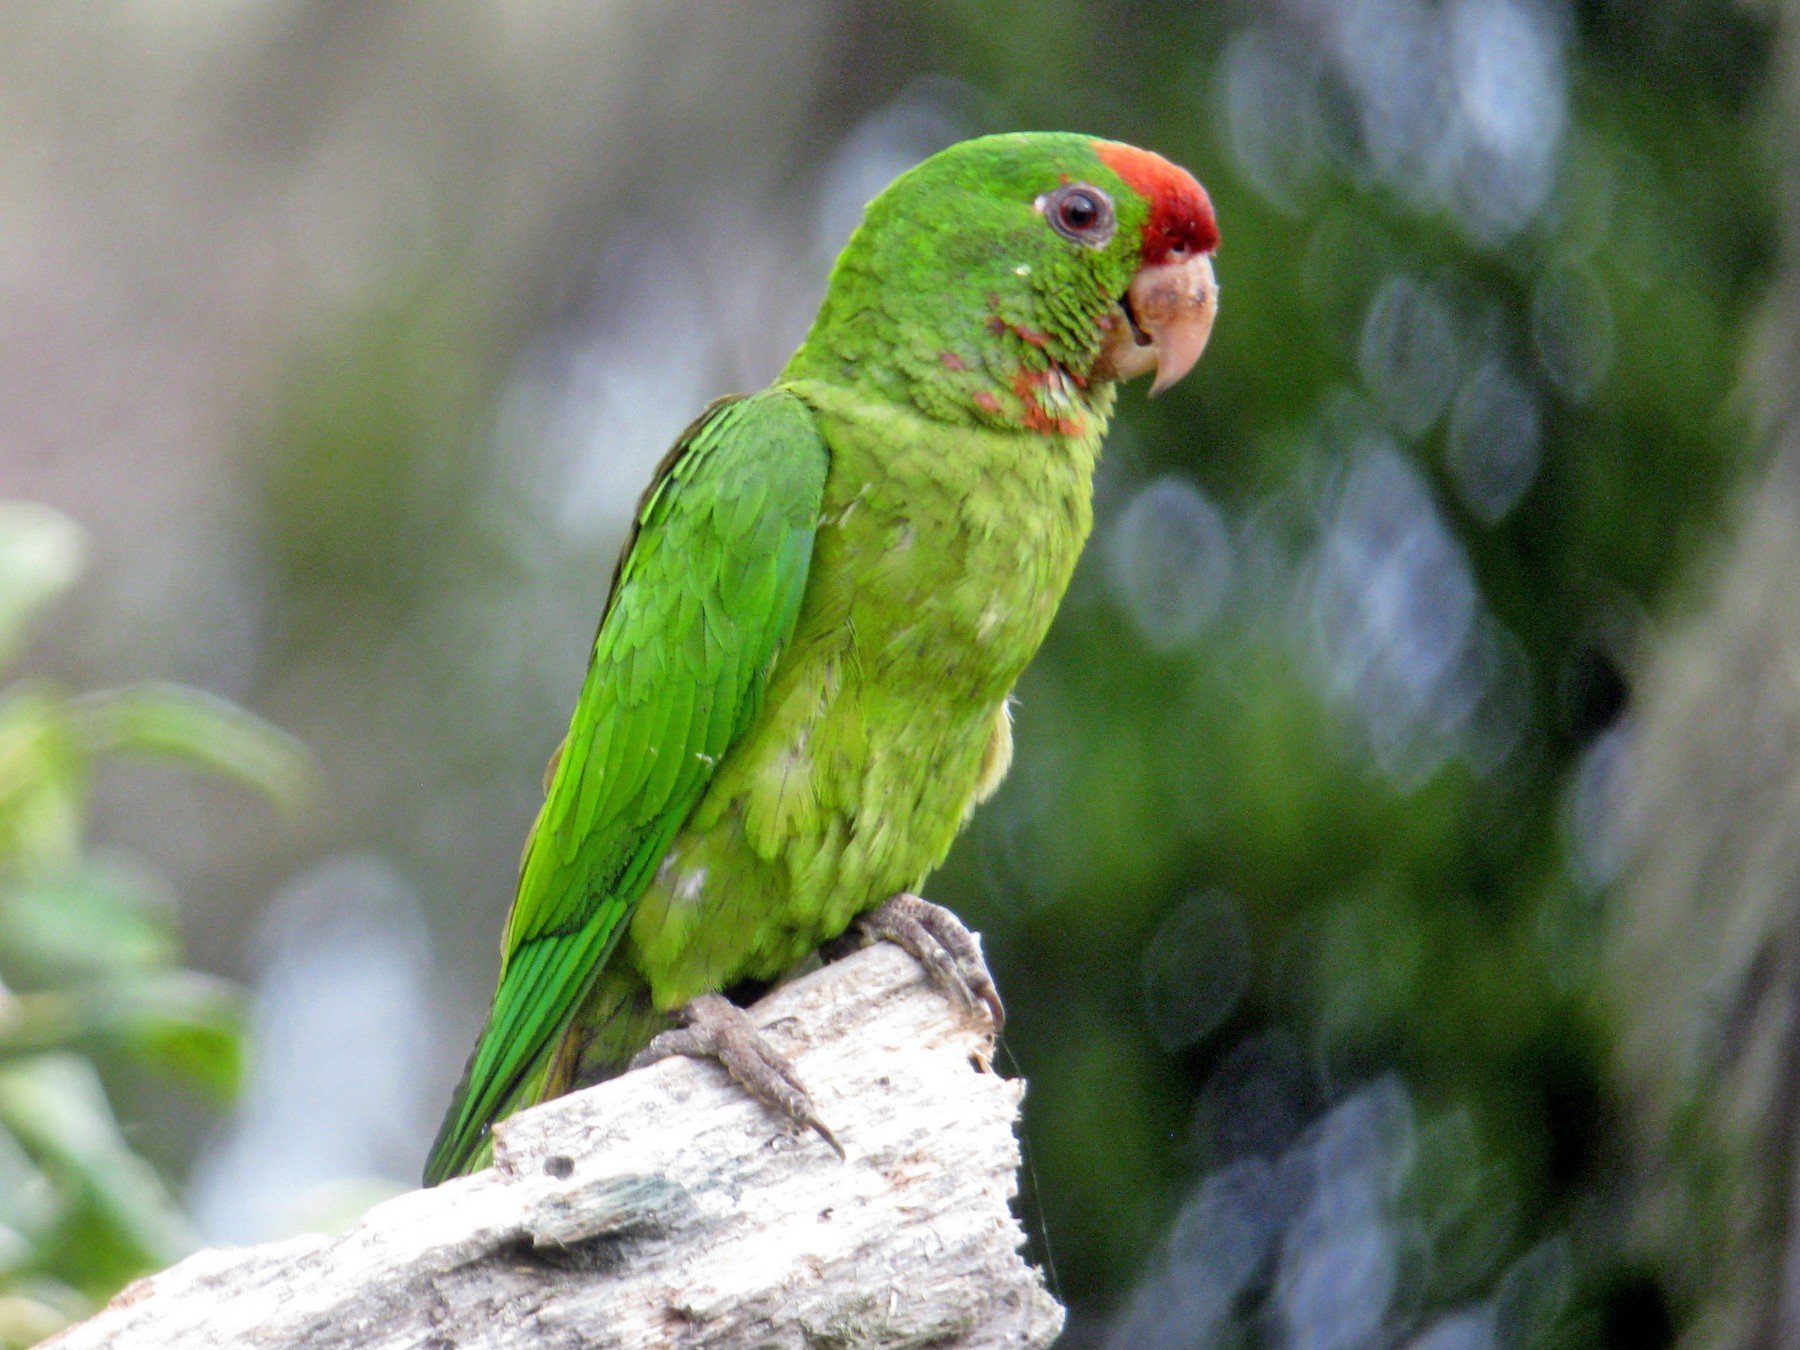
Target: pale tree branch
x: 665, y: 1208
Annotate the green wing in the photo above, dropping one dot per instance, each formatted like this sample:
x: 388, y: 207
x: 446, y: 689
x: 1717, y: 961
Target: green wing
x: 706, y: 593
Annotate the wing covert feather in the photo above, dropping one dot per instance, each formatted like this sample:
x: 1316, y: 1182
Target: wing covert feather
x: 706, y: 593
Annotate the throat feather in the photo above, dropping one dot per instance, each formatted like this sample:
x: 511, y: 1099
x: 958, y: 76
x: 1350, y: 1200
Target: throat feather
x: 1050, y: 400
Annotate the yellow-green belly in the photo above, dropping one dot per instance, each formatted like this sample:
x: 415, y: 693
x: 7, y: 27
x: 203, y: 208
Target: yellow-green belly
x: 941, y: 557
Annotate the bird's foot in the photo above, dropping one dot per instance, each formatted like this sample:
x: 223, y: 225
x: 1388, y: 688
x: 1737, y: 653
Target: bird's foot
x: 950, y: 953
x: 713, y: 1027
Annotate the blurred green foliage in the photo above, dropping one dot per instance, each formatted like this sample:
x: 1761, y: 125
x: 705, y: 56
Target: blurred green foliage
x: 91, y: 981
x: 1437, y: 922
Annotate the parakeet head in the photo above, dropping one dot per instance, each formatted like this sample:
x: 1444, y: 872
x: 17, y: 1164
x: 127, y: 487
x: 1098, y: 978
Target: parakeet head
x: 1011, y: 279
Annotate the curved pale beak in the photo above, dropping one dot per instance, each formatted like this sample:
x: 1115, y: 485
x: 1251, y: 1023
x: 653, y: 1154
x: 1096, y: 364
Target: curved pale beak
x: 1161, y: 323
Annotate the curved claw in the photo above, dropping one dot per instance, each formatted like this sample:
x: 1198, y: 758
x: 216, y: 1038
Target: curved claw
x: 716, y: 1028
x: 939, y: 941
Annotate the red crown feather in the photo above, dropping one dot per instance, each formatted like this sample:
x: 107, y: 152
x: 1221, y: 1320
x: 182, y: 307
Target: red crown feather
x: 1181, y: 214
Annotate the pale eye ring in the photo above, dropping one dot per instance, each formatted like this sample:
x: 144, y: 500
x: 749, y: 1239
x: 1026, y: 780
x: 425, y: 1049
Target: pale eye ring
x: 1080, y: 213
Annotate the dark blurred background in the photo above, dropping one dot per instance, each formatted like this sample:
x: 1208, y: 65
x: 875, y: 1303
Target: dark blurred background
x: 1397, y: 891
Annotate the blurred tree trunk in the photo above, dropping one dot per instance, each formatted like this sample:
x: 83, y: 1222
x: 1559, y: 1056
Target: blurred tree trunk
x: 1704, y: 949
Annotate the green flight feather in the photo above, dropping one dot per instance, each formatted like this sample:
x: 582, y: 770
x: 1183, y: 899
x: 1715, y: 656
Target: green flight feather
x: 707, y: 591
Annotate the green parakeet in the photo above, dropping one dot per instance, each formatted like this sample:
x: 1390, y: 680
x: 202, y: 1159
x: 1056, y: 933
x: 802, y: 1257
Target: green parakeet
x: 799, y: 688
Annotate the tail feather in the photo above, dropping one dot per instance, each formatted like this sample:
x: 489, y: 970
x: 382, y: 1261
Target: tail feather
x: 464, y: 1143
x: 541, y: 986
x: 616, y: 1019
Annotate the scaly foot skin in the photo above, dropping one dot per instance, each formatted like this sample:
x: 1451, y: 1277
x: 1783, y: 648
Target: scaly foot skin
x: 716, y: 1028
x: 950, y: 953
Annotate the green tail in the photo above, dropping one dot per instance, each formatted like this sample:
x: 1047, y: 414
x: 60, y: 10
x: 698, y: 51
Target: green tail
x: 464, y: 1141
x: 614, y: 1021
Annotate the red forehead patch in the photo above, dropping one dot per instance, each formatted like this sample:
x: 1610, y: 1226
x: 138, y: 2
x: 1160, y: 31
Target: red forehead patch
x: 1181, y: 214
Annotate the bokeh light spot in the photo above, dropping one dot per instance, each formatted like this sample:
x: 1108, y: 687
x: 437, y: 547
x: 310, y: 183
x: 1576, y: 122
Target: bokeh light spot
x: 1196, y: 969
x: 1257, y: 1101
x: 1170, y: 559
x: 1572, y: 327
x: 1272, y: 109
x: 1396, y: 620
x: 1408, y: 353
x: 1495, y: 429
x: 1470, y: 1329
x: 1534, y: 1294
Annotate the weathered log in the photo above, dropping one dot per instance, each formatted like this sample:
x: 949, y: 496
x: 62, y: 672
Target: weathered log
x: 666, y: 1208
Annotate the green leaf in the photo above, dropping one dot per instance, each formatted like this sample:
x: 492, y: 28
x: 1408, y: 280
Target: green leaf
x: 16, y: 1250
x: 179, y: 1023
x: 56, y: 1106
x: 33, y: 1023
x: 29, y: 1204
x: 43, y: 779
x: 78, y: 923
x: 41, y: 554
x: 199, y: 730
x: 37, y: 1309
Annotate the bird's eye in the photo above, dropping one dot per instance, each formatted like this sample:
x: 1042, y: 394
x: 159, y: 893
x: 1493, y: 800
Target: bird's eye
x: 1080, y: 213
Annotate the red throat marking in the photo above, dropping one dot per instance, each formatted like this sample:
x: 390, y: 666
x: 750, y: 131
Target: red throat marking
x: 1181, y: 214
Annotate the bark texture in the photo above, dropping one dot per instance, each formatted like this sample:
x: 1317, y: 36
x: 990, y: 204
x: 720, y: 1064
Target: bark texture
x: 665, y: 1208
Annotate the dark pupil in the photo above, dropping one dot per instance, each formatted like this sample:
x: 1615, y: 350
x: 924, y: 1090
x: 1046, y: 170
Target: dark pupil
x: 1078, y: 211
